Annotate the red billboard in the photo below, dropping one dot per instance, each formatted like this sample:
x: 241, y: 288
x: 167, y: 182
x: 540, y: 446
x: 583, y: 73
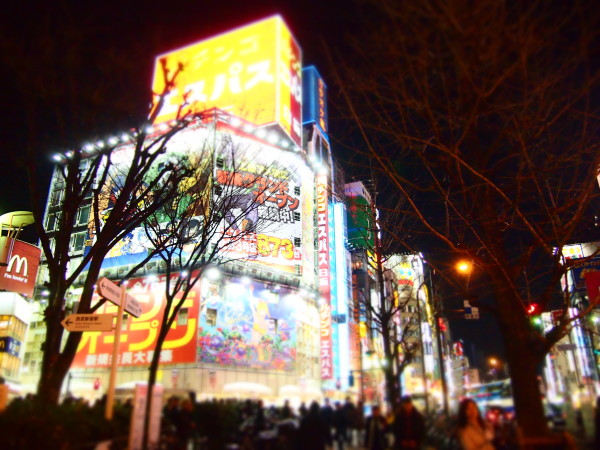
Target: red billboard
x: 22, y: 261
x: 139, y: 335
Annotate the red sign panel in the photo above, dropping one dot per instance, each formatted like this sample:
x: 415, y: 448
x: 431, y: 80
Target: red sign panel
x: 592, y: 283
x: 23, y: 260
x: 324, y: 281
x: 139, y: 335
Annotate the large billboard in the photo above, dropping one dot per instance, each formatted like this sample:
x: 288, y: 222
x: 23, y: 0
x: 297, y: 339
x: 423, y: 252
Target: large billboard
x: 21, y: 270
x: 195, y: 145
x: 139, y: 335
x: 250, y: 324
x: 264, y: 186
x: 253, y: 72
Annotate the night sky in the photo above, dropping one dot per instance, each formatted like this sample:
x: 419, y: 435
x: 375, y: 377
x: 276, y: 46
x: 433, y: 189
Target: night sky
x: 83, y: 71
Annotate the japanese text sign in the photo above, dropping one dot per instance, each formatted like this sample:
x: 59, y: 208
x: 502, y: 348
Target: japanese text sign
x: 253, y: 72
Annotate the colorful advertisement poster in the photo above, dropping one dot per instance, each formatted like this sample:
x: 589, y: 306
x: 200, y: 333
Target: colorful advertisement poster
x: 191, y: 146
x: 21, y: 270
x: 253, y: 72
x: 248, y: 324
x: 139, y: 335
x: 263, y: 221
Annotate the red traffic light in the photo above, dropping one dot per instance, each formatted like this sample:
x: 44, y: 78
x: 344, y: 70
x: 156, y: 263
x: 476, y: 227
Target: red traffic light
x: 533, y: 309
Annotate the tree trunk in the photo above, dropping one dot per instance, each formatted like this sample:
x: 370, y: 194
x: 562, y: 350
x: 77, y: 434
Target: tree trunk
x: 151, y: 382
x: 523, y: 354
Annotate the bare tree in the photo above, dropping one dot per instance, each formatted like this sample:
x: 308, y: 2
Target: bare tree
x: 381, y: 234
x: 122, y: 183
x: 482, y: 117
x: 213, y: 220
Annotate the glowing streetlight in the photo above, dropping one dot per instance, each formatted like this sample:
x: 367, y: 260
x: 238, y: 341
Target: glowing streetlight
x: 464, y: 267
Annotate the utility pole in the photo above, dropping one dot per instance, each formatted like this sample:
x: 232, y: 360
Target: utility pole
x: 437, y: 316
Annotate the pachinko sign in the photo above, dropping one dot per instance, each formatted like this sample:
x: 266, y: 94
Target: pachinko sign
x: 139, y: 335
x: 253, y: 72
x: 324, y: 276
x: 262, y: 222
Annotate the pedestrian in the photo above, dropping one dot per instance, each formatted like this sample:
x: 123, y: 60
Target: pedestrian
x: 313, y: 432
x: 375, y: 430
x: 327, y: 419
x: 473, y: 431
x: 350, y: 415
x: 359, y: 423
x: 408, y: 426
x: 340, y: 425
x: 597, y: 422
x: 303, y: 410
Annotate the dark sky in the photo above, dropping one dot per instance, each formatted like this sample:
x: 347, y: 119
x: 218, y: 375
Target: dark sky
x: 100, y: 56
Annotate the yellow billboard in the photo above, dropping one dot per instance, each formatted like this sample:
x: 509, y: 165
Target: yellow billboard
x: 253, y: 72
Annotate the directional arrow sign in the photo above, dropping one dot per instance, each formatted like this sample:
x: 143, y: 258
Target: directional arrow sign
x: 111, y: 292
x: 88, y: 322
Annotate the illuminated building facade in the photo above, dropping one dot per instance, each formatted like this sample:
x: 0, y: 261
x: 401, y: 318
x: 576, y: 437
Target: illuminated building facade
x: 276, y: 323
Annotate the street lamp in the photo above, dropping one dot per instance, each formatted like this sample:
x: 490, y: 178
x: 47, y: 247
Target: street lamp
x: 493, y: 362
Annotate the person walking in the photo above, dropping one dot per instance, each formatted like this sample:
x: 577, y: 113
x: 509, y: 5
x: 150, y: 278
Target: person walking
x: 340, y: 425
x: 408, y: 426
x: 313, y: 432
x: 473, y: 432
x: 375, y: 430
x: 327, y: 419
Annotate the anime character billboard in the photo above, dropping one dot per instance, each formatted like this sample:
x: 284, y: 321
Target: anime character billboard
x: 139, y: 335
x: 249, y: 324
x: 263, y: 188
x: 190, y: 148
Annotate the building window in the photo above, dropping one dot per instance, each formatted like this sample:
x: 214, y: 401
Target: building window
x: 77, y: 242
x: 52, y: 221
x: 56, y: 197
x: 83, y: 215
x: 211, y: 316
x: 182, y: 317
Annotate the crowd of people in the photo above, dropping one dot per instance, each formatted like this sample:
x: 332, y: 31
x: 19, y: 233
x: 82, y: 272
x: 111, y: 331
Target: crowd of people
x: 336, y: 426
x: 329, y: 426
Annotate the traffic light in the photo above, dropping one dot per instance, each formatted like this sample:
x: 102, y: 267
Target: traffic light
x: 533, y: 309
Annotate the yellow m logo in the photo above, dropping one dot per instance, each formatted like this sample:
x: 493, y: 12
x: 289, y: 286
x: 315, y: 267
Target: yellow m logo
x: 21, y: 264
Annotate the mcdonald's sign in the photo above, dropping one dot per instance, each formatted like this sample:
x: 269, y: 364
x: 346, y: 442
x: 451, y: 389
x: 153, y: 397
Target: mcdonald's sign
x: 22, y: 266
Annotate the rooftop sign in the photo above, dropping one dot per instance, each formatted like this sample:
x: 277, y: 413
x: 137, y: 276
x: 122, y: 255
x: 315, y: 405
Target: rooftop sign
x: 253, y: 72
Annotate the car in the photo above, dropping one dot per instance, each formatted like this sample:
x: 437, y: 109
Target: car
x: 555, y: 415
x: 499, y: 415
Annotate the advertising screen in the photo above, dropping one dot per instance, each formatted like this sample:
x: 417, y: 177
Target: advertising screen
x: 248, y: 324
x: 253, y: 72
x: 139, y: 335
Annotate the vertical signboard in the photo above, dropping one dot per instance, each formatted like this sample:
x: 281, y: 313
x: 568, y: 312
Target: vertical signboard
x: 314, y: 108
x: 253, y: 72
x: 324, y: 276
